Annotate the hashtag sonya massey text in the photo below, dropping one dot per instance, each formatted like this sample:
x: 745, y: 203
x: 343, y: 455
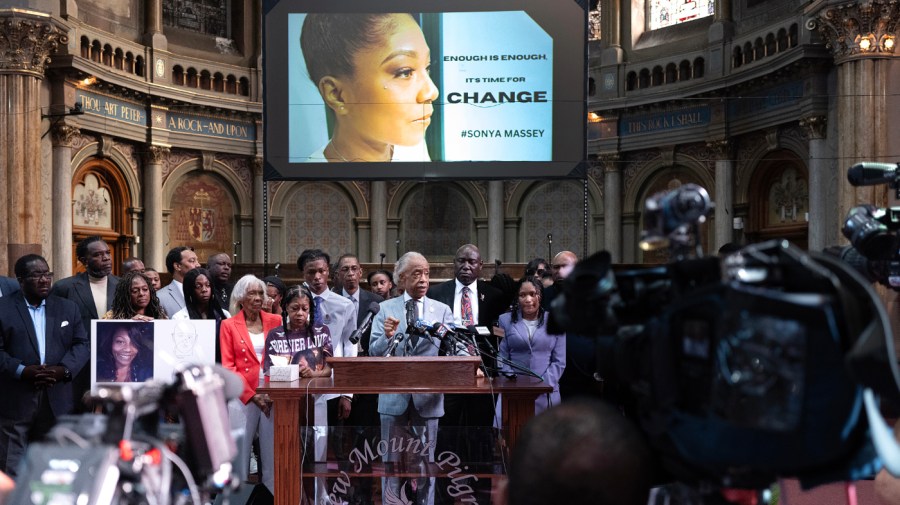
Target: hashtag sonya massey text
x: 479, y: 134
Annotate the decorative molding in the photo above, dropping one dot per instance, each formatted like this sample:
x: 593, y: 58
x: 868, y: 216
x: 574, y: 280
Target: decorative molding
x: 482, y: 187
x: 240, y: 166
x: 816, y: 127
x: 208, y: 158
x: 173, y: 160
x: 609, y: 162
x: 773, y: 141
x: 720, y: 148
x: 106, y: 145
x: 702, y: 154
x: 364, y: 188
x: 256, y: 165
x: 274, y: 186
x: 862, y: 29
x: 634, y: 163
x: 81, y: 140
x: 509, y: 187
x: 127, y: 150
x: 27, y: 42
x: 64, y: 135
x: 156, y: 154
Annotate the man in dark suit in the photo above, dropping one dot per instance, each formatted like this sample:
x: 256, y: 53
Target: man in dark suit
x: 8, y: 286
x: 92, y: 291
x: 219, y: 266
x: 42, y: 345
x: 474, y: 302
x: 350, y: 273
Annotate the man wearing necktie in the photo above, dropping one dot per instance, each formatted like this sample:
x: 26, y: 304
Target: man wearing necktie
x: 466, y: 425
x: 405, y: 414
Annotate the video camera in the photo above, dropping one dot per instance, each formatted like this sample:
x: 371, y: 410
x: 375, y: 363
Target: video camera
x: 740, y: 369
x: 872, y: 231
x: 127, y: 455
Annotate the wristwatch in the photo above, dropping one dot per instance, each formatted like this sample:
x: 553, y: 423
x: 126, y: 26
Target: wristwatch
x: 67, y: 374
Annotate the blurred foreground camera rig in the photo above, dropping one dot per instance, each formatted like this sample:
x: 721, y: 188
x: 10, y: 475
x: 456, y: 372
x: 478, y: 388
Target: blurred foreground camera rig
x: 766, y: 363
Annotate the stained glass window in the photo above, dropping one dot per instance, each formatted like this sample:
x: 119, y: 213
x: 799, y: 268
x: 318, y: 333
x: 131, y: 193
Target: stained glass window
x: 210, y: 17
x: 664, y: 13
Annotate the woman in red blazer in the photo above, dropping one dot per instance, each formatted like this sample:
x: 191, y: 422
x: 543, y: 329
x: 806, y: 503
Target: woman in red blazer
x: 242, y: 339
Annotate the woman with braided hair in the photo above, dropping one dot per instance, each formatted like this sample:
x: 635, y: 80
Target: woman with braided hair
x: 135, y: 299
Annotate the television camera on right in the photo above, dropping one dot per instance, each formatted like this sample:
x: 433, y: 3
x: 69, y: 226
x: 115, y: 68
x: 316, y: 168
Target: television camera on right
x: 771, y: 362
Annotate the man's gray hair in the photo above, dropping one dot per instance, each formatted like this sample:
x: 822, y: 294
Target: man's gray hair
x: 240, y: 291
x: 402, y: 264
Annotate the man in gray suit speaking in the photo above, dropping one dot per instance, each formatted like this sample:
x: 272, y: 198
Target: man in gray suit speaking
x: 403, y: 415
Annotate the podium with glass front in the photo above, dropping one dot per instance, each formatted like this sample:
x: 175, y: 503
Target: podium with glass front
x: 379, y: 375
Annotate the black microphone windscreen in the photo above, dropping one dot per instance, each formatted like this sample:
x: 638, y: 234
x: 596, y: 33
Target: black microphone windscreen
x: 374, y: 307
x: 871, y: 173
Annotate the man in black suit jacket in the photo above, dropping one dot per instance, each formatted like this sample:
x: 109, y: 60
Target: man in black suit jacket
x: 42, y: 344
x: 8, y: 286
x: 92, y: 291
x: 469, y: 411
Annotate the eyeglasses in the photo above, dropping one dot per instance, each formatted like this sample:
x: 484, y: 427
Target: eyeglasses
x: 37, y: 276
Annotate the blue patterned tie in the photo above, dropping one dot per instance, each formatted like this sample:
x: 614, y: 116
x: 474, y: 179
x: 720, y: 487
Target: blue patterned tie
x: 317, y: 316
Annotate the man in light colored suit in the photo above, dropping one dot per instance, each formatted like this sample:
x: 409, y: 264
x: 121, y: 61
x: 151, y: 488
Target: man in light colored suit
x: 179, y: 261
x: 403, y: 414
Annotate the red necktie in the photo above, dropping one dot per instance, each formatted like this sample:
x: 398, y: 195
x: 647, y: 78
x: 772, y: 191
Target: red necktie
x: 465, y: 311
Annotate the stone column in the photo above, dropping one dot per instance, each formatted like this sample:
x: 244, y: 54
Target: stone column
x: 861, y: 36
x: 154, y: 236
x: 61, y: 189
x: 28, y: 40
x: 378, y: 216
x: 153, y: 26
x: 822, y: 178
x: 612, y: 206
x: 495, y: 221
x: 256, y: 164
x: 724, y: 195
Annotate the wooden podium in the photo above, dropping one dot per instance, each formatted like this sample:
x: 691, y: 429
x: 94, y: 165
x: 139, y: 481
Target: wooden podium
x: 376, y: 375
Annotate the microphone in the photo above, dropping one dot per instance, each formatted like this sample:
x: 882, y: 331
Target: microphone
x: 393, y: 345
x: 366, y: 323
x: 869, y: 173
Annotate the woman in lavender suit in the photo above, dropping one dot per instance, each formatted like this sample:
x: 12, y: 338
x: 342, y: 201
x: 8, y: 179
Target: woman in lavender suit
x: 527, y: 343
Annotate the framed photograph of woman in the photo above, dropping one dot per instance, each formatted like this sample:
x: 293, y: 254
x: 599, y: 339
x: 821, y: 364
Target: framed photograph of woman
x: 122, y: 351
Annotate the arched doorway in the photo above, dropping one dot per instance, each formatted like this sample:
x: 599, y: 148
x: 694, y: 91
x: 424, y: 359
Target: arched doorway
x: 779, y: 200
x: 101, y: 206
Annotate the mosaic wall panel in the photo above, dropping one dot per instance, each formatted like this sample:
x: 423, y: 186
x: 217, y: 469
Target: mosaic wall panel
x: 304, y: 225
x: 556, y: 208
x: 436, y: 221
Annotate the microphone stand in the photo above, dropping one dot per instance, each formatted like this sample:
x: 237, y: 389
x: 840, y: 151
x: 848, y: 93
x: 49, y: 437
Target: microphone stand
x: 393, y: 345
